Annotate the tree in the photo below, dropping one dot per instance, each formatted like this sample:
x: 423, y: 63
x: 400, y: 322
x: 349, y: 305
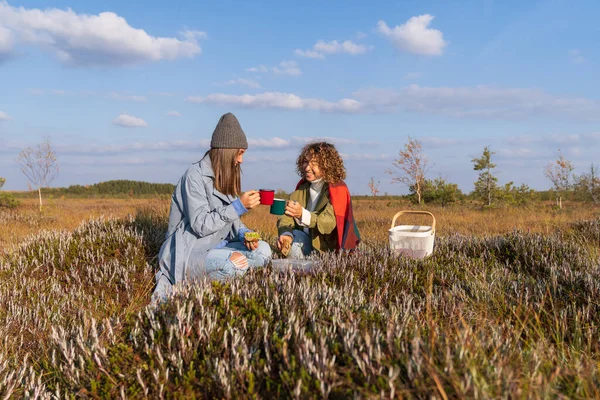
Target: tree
x: 281, y: 194
x: 412, y: 166
x: 589, y: 184
x: 374, y: 186
x: 39, y: 165
x: 559, y: 173
x: 516, y: 195
x: 441, y: 191
x: 7, y: 199
x: 487, y: 184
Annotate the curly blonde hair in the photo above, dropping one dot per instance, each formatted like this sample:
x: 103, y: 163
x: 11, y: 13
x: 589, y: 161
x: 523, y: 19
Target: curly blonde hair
x: 327, y: 158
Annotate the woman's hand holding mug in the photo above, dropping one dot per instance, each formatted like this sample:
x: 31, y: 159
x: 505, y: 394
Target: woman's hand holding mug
x: 250, y: 199
x: 293, y: 209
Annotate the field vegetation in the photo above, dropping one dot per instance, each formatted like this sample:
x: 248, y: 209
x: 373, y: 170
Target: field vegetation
x: 507, y: 306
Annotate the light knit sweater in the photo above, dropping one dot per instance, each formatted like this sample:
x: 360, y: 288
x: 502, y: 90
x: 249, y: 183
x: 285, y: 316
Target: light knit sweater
x: 314, y: 192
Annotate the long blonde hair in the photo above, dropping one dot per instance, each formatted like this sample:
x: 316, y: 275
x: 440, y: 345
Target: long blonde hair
x: 227, y: 172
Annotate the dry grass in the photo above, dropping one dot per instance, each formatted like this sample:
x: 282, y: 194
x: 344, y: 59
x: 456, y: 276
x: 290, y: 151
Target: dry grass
x: 64, y: 214
x: 374, y: 217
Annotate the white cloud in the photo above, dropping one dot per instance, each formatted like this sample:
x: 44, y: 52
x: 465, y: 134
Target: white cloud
x: 6, y: 42
x: 287, y: 68
x: 283, y: 68
x: 572, y: 144
x: 346, y: 47
x: 175, y: 146
x: 478, y: 102
x: 333, y: 47
x: 92, y: 40
x: 4, y: 116
x: 272, y: 143
x: 309, y: 54
x: 94, y: 149
x: 129, y: 121
x: 194, y: 35
x: 173, y: 114
x: 276, y: 100
x: 86, y: 93
x: 414, y: 36
x: 516, y: 153
x: 126, y: 97
x: 261, y: 68
x: 244, y: 82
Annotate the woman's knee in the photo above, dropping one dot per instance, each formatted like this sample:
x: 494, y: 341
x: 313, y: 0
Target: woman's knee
x: 263, y: 251
x: 233, y: 264
x: 239, y: 261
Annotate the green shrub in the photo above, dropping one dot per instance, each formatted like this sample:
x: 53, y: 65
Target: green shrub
x: 7, y: 200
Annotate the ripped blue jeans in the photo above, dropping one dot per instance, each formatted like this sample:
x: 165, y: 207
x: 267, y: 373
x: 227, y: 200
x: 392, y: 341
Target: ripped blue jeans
x: 222, y: 263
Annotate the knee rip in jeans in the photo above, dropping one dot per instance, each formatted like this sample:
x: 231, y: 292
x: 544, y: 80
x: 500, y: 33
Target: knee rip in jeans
x: 238, y: 260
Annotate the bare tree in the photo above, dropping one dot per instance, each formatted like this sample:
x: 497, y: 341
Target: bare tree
x: 374, y: 186
x: 486, y: 186
x: 559, y: 173
x: 39, y: 165
x: 589, y: 183
x: 412, y: 166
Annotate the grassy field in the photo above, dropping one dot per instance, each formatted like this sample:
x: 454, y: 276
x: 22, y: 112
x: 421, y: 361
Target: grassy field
x: 507, y: 306
x: 374, y: 217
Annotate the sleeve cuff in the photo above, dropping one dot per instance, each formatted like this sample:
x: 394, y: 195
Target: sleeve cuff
x: 239, y: 207
x: 305, y: 220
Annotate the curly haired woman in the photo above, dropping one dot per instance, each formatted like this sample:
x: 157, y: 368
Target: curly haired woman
x: 318, y: 215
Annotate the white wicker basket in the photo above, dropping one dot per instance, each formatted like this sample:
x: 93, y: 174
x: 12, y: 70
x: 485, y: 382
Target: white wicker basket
x: 415, y: 241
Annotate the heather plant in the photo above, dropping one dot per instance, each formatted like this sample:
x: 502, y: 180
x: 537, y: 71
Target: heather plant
x: 513, y: 315
x: 588, y: 230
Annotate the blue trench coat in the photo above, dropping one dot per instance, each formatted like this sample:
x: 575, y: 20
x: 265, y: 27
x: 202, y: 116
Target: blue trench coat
x: 201, y: 217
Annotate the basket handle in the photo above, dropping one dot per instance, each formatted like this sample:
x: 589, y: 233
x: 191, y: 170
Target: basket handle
x: 415, y: 212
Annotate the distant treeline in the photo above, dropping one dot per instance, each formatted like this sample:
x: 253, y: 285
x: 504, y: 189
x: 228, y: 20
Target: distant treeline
x: 117, y: 188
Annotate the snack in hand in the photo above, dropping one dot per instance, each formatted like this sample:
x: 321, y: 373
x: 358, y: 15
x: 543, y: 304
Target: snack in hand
x: 252, y: 236
x: 285, y: 249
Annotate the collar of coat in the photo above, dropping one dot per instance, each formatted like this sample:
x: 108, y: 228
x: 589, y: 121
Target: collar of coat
x: 321, y: 200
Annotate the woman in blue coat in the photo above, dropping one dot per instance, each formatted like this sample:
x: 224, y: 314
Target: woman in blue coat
x: 205, y: 236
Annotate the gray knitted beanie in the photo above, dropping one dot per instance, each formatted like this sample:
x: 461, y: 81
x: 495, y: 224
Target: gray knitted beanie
x: 228, y: 134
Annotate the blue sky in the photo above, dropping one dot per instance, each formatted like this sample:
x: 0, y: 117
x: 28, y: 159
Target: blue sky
x: 127, y: 91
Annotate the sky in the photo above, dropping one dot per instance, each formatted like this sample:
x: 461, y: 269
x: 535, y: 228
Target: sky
x: 133, y: 90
